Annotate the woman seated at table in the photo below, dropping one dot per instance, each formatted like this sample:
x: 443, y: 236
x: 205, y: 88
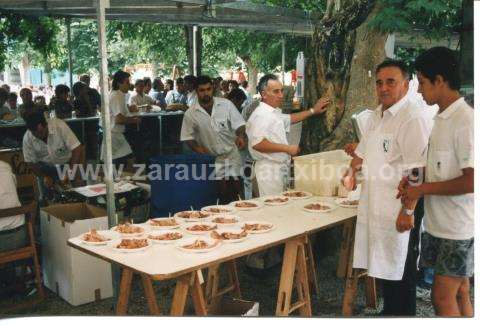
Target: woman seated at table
x: 60, y: 103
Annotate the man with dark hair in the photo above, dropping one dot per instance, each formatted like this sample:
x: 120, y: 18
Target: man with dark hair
x: 27, y: 106
x: 140, y: 98
x: 147, y: 85
x: 267, y: 131
x: 60, y: 103
x: 119, y: 118
x: 157, y: 92
x: 214, y: 126
x: 93, y: 94
x: 394, y: 145
x: 237, y: 97
x: 47, y: 144
x: 190, y: 88
x: 12, y: 101
x: 448, y: 241
x: 5, y: 112
x: 177, y: 97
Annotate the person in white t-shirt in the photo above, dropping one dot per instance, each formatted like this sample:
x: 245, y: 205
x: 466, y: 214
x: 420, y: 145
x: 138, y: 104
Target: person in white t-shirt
x: 139, y: 98
x: 448, y: 244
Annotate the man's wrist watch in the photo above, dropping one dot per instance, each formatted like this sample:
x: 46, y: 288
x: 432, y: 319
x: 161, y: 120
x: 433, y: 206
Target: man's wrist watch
x: 312, y: 111
x: 408, y: 212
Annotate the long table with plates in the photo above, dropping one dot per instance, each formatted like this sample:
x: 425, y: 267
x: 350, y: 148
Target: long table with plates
x: 292, y: 227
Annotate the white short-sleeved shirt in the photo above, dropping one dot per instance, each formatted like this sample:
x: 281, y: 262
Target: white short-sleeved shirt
x: 405, y: 128
x: 141, y: 99
x: 215, y: 132
x: 450, y: 151
x: 118, y: 105
x: 9, y: 198
x: 174, y: 96
x: 58, y: 149
x: 192, y: 99
x: 271, y: 124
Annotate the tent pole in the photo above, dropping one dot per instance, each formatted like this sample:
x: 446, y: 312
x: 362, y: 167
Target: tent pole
x: 195, y: 50
x: 283, y: 59
x: 69, y: 47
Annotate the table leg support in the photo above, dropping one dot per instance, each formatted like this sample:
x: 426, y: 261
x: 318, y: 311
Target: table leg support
x: 180, y: 295
x: 150, y: 295
x: 125, y: 289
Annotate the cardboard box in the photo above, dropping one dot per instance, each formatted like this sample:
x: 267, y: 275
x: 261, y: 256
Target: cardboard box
x: 227, y: 306
x: 75, y: 276
x: 320, y: 173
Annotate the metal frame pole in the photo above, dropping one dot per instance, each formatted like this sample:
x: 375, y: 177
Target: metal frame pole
x: 69, y: 47
x: 107, y: 136
x: 195, y: 49
x: 283, y: 59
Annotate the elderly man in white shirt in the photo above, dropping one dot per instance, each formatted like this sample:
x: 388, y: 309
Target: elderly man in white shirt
x: 267, y: 130
x: 395, y: 145
x: 48, y: 144
x: 12, y: 229
x: 214, y: 126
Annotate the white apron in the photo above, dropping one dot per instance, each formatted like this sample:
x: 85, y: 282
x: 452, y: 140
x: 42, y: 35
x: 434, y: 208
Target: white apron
x: 379, y: 247
x: 271, y: 177
x: 120, y: 146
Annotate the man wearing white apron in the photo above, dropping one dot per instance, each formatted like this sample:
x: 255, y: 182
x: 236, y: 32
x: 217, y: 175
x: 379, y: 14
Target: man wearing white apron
x: 395, y: 144
x: 119, y: 117
x: 267, y: 130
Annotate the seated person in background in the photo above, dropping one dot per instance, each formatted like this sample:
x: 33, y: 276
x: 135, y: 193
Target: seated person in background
x: 13, y: 233
x: 46, y: 145
x: 5, y: 113
x: 237, y: 97
x: 190, y: 85
x: 40, y: 103
x: 216, y: 87
x: 157, y: 93
x: 168, y: 87
x: 140, y: 98
x: 93, y: 95
x: 81, y: 103
x: 232, y: 84
x: 6, y: 87
x: 27, y: 105
x: 224, y: 88
x: 177, y: 98
x: 148, y: 85
x: 12, y: 101
x: 60, y: 103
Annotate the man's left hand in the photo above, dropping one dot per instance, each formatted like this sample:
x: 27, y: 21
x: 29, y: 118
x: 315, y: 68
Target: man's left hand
x: 321, y: 105
x: 240, y: 142
x: 404, y: 222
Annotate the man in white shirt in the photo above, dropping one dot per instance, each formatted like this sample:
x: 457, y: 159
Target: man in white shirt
x: 190, y: 88
x: 12, y: 229
x: 267, y: 131
x: 119, y: 118
x: 178, y: 96
x: 140, y: 98
x: 49, y: 144
x: 448, y: 243
x: 214, y: 126
x: 395, y: 145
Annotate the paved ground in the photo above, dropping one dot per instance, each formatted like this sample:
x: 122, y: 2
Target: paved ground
x: 263, y: 291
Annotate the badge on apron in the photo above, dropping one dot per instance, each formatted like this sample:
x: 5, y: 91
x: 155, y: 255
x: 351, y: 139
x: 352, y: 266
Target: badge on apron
x: 386, y: 145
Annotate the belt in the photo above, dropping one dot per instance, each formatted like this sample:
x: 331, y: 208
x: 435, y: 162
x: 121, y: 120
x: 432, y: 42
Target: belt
x: 18, y: 228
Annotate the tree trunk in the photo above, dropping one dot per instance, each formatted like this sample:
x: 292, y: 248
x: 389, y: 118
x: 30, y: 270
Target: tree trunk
x: 329, y: 70
x: 466, y: 43
x: 24, y: 68
x: 48, y: 73
x: 252, y: 72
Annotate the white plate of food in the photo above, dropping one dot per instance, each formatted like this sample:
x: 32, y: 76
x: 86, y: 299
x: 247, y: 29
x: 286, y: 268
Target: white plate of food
x: 229, y: 234
x: 163, y: 223
x: 98, y: 238
x: 297, y: 194
x: 192, y: 216
x: 345, y: 202
x: 276, y: 200
x: 246, y: 205
x: 131, y: 245
x: 198, y: 244
x: 129, y: 230
x: 257, y: 227
x: 165, y: 236
x: 319, y: 207
x: 224, y: 219
x: 200, y: 228
x: 218, y: 209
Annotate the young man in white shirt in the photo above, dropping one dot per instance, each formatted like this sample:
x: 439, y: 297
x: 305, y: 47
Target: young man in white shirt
x: 448, y: 244
x: 140, y: 98
x: 394, y: 144
x: 214, y: 126
x: 267, y: 130
x: 48, y: 144
x: 119, y: 118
